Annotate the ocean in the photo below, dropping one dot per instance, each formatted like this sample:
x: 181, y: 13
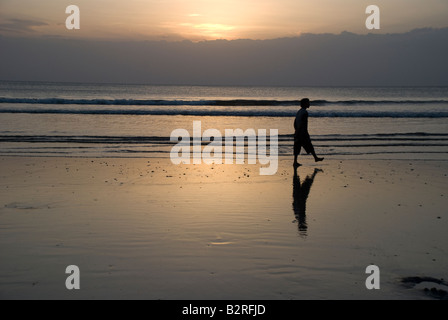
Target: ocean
x: 122, y: 120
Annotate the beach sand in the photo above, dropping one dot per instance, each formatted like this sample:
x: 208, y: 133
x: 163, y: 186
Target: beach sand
x: 148, y: 229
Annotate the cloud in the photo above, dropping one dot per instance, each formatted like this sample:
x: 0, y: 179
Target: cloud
x: 416, y: 58
x: 20, y: 26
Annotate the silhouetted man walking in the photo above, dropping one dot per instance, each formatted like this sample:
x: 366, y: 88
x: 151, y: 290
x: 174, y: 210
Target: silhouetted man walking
x: 301, y: 135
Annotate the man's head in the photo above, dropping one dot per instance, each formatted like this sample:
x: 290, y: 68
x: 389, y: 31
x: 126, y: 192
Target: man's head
x: 305, y: 103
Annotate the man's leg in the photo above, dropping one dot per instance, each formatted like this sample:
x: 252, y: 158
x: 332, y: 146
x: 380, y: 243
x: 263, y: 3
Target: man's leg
x: 316, y: 158
x: 297, y: 148
x: 296, y: 164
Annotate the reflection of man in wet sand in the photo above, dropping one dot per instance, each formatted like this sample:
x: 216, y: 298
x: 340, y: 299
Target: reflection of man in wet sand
x: 301, y: 135
x: 300, y: 192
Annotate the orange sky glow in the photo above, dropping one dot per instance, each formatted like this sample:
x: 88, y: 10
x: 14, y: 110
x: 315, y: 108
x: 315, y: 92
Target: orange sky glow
x: 213, y: 19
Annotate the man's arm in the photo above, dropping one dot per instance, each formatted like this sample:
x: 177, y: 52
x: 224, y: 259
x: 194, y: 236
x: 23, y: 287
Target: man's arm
x: 298, y: 122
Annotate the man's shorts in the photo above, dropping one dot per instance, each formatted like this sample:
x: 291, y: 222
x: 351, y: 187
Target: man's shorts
x: 302, y: 141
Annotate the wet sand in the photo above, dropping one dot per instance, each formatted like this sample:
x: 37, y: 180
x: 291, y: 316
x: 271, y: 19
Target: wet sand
x: 147, y: 229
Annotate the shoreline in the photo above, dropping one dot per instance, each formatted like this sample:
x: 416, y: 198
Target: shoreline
x: 147, y: 229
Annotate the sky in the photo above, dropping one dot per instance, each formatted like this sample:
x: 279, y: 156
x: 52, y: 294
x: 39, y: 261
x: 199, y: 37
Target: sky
x: 226, y: 42
x: 416, y: 58
x: 214, y: 19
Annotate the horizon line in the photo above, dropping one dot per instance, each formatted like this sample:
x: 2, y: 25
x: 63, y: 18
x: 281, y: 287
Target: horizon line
x: 224, y: 86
